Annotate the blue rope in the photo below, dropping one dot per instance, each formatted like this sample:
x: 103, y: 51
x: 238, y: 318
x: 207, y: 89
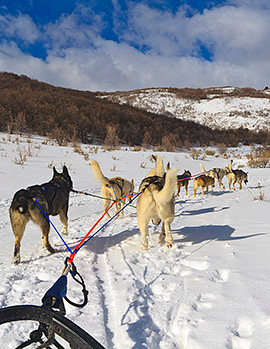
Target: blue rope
x: 116, y: 198
x: 104, y: 225
x: 69, y: 250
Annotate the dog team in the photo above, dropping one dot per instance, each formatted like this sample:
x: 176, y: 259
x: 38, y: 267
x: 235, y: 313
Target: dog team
x: 156, y: 199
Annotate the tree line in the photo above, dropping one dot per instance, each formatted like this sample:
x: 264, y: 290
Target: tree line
x: 33, y: 107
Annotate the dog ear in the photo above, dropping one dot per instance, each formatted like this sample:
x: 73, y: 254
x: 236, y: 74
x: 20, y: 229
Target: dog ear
x: 65, y: 170
x: 54, y: 171
x: 154, y: 157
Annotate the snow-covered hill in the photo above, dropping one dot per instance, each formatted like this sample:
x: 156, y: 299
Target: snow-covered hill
x: 222, y: 108
x: 211, y: 290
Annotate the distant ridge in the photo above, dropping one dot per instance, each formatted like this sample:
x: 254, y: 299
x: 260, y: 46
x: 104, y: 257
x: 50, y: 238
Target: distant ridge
x: 147, y: 117
x: 216, y: 107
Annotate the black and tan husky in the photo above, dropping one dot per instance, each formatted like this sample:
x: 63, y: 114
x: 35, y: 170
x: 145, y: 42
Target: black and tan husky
x: 217, y: 173
x: 52, y: 196
x: 236, y: 176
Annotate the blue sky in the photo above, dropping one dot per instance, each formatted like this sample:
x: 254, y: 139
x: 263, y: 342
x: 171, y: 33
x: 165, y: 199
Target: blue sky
x: 102, y: 45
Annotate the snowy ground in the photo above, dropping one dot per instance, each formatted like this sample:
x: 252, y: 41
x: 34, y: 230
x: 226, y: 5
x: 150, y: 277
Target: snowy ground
x: 214, y: 112
x: 210, y: 291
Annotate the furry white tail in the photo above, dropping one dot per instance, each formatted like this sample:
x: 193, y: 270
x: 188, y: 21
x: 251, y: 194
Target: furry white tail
x: 98, y: 174
x: 158, y: 170
x: 159, y: 166
x: 168, y: 191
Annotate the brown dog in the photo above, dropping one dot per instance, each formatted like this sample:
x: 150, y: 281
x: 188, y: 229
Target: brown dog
x: 203, y: 181
x: 52, y: 196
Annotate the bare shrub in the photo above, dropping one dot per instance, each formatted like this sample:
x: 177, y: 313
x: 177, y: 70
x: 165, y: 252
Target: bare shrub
x: 138, y: 148
x: 197, y: 155
x: 222, y: 148
x: 59, y: 135
x: 167, y: 144
x: 143, y: 164
x: 261, y: 195
x: 260, y: 159
x: 22, y: 155
x: 112, y: 138
x: 210, y: 152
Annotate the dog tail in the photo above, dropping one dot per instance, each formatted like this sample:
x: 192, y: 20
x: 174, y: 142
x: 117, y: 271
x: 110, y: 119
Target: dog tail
x: 98, y: 173
x: 158, y: 170
x: 20, y: 202
x: 159, y: 166
x: 230, y: 165
x: 202, y: 168
x: 168, y: 191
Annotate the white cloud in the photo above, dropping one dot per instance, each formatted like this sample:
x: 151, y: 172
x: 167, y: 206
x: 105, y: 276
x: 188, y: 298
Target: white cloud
x: 79, y: 57
x: 80, y: 29
x: 21, y: 27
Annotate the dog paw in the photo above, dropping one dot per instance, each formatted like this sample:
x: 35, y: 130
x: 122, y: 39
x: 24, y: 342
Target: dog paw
x: 16, y: 260
x: 51, y: 249
x: 169, y: 244
x: 64, y: 232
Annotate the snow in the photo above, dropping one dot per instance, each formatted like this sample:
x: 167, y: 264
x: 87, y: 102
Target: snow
x: 211, y: 290
x: 216, y: 111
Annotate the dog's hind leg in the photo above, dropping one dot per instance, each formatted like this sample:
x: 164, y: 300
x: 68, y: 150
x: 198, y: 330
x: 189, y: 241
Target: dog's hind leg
x: 162, y: 235
x: 240, y: 184
x: 118, y: 206
x: 106, y: 204
x: 18, y: 223
x: 167, y: 229
x: 143, y: 226
x: 203, y: 189
x: 45, y: 229
x: 186, y: 188
x: 64, y: 220
x: 195, y: 189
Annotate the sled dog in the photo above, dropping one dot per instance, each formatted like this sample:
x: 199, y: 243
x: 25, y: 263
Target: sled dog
x: 112, y: 189
x: 157, y: 203
x: 52, y: 196
x: 203, y: 181
x: 217, y: 173
x: 182, y: 181
x: 236, y: 176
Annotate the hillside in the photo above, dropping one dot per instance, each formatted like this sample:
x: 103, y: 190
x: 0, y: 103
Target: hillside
x: 217, y: 108
x: 32, y: 107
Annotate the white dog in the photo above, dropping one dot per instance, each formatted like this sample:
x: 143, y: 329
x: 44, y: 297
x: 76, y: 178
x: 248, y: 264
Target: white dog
x: 157, y: 203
